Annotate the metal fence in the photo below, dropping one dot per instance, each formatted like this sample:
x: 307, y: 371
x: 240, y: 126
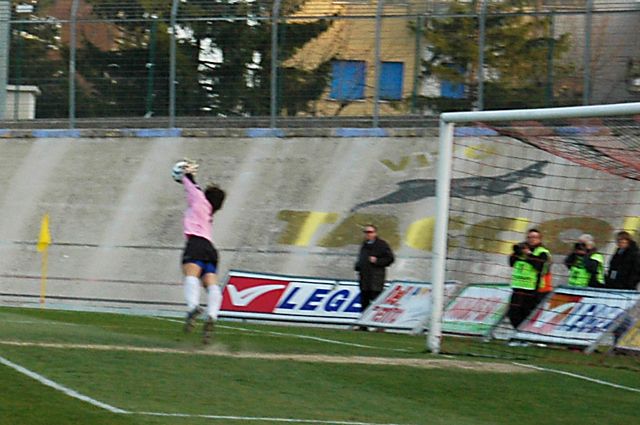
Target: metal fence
x: 161, y: 62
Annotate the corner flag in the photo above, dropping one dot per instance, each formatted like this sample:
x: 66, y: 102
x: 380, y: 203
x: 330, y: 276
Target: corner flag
x: 44, y: 240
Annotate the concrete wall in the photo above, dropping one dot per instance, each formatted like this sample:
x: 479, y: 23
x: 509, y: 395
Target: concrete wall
x: 115, y: 213
x: 294, y: 206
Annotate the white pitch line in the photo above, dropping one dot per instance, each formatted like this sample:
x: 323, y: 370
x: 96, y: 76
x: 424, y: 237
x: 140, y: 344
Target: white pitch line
x: 250, y: 418
x: 58, y: 387
x: 575, y: 375
x: 315, y: 338
x: 112, y: 409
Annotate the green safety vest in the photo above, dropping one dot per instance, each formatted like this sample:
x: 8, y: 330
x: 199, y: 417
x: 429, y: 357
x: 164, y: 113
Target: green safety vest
x: 524, y: 275
x: 579, y: 276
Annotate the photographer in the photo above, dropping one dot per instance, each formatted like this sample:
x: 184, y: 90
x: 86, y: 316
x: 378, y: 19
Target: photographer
x: 585, y: 264
x: 531, y: 263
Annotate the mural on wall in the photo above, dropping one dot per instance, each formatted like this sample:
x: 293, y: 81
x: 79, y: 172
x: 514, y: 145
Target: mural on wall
x: 418, y: 189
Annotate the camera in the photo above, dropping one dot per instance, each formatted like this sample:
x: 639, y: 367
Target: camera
x: 518, y: 248
x: 580, y: 246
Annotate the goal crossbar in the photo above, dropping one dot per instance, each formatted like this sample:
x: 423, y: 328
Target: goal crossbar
x: 448, y: 120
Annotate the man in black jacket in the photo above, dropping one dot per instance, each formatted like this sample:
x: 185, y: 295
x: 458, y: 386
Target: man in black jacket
x: 624, y: 266
x: 375, y: 256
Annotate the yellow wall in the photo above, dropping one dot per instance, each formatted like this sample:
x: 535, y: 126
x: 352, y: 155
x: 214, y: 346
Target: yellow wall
x: 354, y: 39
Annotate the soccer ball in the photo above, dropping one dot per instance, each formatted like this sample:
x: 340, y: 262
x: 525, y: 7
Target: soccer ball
x: 178, y: 170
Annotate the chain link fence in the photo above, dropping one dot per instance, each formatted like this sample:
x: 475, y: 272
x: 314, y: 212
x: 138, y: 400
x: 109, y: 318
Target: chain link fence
x: 168, y: 63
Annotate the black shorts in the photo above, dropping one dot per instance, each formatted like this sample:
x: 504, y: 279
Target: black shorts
x: 199, y: 249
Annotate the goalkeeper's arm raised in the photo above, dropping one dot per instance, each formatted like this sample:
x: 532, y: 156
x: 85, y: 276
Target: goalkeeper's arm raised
x: 184, y: 168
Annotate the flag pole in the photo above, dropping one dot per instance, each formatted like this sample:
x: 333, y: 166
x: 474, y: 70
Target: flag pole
x: 44, y: 240
x: 43, y: 277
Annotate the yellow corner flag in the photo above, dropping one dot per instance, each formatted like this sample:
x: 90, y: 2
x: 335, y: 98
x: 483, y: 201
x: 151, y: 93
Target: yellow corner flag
x: 44, y: 240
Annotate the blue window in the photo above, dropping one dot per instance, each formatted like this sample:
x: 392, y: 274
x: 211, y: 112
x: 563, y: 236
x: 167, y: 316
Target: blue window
x: 391, y: 75
x: 347, y: 80
x: 453, y: 90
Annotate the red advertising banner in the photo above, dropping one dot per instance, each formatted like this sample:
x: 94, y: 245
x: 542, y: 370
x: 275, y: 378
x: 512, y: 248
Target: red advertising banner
x: 477, y: 309
x: 403, y: 305
x: 289, y: 298
x: 577, y: 316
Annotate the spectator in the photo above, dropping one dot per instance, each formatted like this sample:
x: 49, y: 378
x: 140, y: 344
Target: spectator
x: 531, y: 263
x: 374, y: 257
x: 624, y: 266
x: 585, y: 264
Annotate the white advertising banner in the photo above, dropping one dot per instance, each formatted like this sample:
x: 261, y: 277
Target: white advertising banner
x: 403, y: 305
x: 577, y: 316
x: 477, y: 309
x: 290, y: 298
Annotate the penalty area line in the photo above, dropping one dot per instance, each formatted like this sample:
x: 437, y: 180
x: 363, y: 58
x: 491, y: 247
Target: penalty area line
x: 59, y: 387
x: 575, y: 375
x: 75, y: 394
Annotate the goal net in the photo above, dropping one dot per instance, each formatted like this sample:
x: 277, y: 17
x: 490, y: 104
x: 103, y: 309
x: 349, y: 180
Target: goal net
x: 563, y: 171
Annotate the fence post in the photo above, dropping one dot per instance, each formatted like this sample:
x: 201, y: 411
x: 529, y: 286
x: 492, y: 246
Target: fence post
x: 151, y: 64
x: 481, y: 44
x: 72, y: 63
x: 18, y: 67
x: 273, y: 107
x: 5, y: 43
x: 586, y: 91
x: 548, y: 101
x: 378, y: 65
x: 417, y: 63
x: 172, y: 65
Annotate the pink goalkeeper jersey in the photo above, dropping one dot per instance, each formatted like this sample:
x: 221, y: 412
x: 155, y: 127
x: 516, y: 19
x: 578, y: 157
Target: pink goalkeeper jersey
x: 197, y: 218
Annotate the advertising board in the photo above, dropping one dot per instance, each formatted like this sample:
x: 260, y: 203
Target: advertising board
x: 477, y: 309
x: 290, y: 298
x: 577, y: 316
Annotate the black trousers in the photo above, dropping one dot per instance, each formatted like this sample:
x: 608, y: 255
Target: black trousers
x: 367, y: 297
x: 522, y: 303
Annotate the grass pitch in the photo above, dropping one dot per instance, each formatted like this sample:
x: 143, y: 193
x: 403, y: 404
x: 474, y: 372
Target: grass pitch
x: 62, y: 367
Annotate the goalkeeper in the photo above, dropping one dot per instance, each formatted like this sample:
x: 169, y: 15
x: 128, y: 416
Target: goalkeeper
x: 200, y: 258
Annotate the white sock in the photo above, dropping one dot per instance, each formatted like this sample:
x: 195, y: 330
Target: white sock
x: 214, y: 301
x: 192, y: 291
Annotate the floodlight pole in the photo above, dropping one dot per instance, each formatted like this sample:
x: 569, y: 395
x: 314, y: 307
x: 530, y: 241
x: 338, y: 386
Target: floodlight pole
x: 443, y: 184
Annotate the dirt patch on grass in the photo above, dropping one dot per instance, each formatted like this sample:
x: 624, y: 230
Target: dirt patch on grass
x: 213, y: 350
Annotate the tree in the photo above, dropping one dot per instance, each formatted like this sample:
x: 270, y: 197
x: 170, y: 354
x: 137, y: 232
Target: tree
x: 223, y: 65
x: 518, y: 49
x: 37, y: 58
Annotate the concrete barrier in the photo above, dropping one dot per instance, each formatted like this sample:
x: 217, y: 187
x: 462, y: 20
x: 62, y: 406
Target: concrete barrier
x: 116, y: 215
x: 295, y: 206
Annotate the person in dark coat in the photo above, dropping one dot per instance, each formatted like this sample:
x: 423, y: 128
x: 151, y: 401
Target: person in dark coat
x: 624, y: 266
x: 374, y: 257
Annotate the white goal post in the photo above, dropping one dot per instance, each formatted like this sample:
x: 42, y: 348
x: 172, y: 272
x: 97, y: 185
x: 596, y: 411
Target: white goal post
x: 444, y: 171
